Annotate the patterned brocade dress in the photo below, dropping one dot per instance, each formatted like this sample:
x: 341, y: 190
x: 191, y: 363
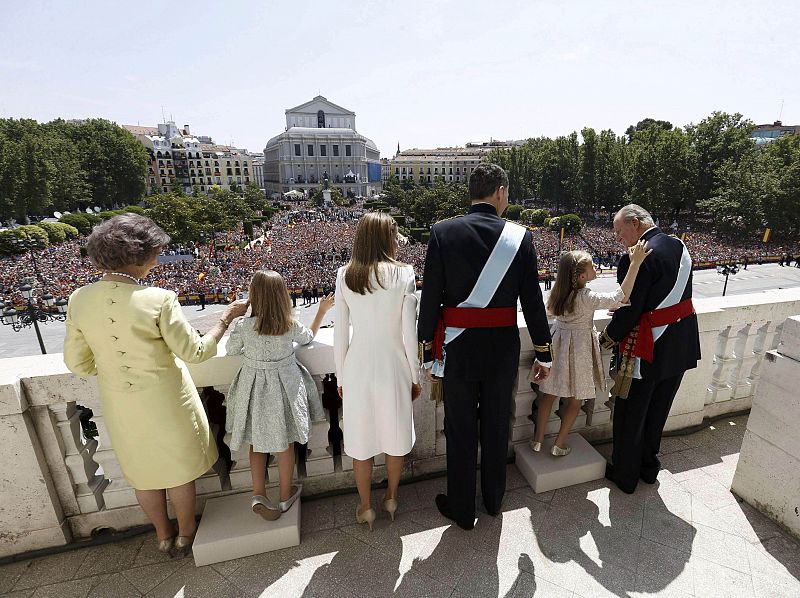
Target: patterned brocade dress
x: 577, y: 367
x: 273, y: 399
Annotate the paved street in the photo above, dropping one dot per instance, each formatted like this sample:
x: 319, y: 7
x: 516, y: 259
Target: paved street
x: 686, y: 535
x: 707, y: 283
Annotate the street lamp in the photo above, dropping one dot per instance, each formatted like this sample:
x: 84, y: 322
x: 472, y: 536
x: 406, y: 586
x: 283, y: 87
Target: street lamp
x: 42, y: 309
x: 726, y: 270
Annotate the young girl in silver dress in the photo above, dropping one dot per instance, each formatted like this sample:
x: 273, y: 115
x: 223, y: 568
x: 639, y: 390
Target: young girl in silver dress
x: 577, y: 369
x: 272, y: 399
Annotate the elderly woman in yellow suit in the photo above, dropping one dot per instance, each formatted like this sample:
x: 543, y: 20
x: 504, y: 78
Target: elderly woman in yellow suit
x: 129, y: 336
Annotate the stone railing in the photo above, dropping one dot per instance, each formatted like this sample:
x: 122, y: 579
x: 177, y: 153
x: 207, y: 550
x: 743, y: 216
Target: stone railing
x: 56, y: 485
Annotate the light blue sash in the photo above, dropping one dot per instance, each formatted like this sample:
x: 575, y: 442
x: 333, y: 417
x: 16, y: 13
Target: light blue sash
x: 490, y: 278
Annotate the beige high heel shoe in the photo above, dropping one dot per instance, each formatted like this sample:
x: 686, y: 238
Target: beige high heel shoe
x: 367, y: 517
x: 390, y: 506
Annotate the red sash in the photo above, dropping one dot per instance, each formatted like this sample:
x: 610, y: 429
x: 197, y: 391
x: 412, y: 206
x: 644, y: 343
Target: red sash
x: 471, y: 317
x: 643, y: 348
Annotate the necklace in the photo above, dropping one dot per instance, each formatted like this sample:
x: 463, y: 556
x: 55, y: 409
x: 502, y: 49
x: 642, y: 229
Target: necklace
x: 136, y: 280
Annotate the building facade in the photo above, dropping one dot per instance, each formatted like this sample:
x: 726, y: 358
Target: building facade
x: 258, y: 169
x: 177, y: 158
x: 451, y: 164
x: 764, y: 134
x: 321, y: 141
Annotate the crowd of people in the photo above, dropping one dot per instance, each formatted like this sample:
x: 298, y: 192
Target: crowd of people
x: 308, y: 246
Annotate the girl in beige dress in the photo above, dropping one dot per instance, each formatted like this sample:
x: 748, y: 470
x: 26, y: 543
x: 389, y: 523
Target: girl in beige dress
x: 577, y: 370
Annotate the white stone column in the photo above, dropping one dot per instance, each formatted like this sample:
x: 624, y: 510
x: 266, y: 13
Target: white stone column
x: 31, y: 516
x: 768, y: 472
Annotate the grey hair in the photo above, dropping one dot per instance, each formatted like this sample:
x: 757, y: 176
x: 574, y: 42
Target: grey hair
x: 632, y: 211
x: 125, y: 240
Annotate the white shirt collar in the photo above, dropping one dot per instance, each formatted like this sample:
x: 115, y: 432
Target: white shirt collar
x: 645, y: 232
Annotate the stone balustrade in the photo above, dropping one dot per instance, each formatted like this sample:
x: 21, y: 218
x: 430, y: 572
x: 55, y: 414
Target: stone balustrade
x: 768, y: 472
x: 56, y: 485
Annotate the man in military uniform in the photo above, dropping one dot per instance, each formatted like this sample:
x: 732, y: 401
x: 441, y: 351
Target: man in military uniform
x: 656, y: 341
x: 476, y: 268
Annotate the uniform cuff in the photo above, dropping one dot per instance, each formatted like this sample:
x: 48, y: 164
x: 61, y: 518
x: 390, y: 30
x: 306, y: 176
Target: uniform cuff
x: 545, y: 364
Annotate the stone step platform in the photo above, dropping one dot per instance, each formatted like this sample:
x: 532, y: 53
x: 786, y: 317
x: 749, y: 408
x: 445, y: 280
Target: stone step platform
x: 230, y: 530
x: 545, y: 472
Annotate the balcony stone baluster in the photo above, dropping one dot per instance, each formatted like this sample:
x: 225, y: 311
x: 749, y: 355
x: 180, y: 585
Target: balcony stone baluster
x: 725, y: 362
x: 78, y: 453
x: 118, y: 493
x: 48, y: 397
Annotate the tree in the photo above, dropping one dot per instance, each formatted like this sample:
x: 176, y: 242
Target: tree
x: 714, y: 141
x: 177, y: 215
x: 660, y: 170
x: 610, y: 171
x: 587, y: 170
x: 743, y: 190
x: 646, y: 123
x: 254, y: 197
x: 393, y: 194
x: 115, y: 162
x: 782, y: 209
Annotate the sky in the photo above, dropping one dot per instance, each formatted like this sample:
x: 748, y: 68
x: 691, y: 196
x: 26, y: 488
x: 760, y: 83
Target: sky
x: 421, y: 74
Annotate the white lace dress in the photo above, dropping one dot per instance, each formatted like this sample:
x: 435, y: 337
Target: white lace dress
x: 273, y: 399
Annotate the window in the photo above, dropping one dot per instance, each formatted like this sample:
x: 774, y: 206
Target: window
x: 310, y: 149
x: 296, y: 149
x: 323, y: 150
x: 397, y: 170
x: 348, y: 150
x: 335, y: 150
x: 404, y: 171
x: 321, y: 120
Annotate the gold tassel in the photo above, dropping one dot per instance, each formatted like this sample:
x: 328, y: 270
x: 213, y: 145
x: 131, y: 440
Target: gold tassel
x: 437, y: 391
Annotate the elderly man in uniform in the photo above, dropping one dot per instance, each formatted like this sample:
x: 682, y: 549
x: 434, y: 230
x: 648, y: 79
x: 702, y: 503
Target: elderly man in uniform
x: 656, y: 340
x: 476, y: 268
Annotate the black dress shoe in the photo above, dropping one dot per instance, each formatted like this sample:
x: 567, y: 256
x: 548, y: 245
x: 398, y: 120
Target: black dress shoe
x: 648, y: 477
x: 611, y: 477
x: 444, y: 508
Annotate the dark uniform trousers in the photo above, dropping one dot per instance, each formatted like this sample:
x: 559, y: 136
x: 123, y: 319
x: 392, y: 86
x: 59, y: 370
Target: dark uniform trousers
x: 490, y: 399
x: 639, y: 422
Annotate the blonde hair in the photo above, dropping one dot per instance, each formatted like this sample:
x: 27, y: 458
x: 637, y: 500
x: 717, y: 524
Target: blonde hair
x: 572, y: 264
x: 374, y: 243
x: 270, y: 303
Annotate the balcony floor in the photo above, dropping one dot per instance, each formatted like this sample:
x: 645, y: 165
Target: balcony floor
x: 687, y: 535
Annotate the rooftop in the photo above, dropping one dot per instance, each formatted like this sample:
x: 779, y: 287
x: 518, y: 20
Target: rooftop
x: 687, y: 535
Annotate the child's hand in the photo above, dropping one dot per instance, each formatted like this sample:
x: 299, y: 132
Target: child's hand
x: 326, y: 303
x: 236, y: 309
x: 638, y: 252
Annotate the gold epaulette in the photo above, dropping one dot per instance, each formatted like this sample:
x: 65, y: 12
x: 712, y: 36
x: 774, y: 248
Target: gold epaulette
x: 606, y: 342
x: 422, y: 348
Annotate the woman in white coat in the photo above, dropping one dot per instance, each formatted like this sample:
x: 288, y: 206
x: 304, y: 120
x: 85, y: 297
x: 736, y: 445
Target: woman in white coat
x: 378, y: 368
